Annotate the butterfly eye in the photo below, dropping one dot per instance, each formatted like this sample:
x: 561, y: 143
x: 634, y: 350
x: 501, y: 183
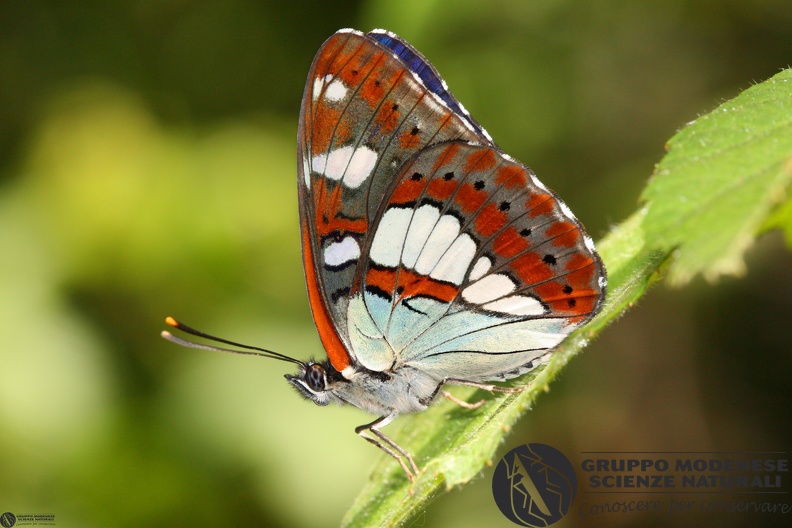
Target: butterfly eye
x: 315, y: 378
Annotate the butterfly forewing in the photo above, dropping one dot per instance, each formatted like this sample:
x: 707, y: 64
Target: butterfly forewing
x: 364, y: 113
x: 428, y: 75
x: 472, y: 257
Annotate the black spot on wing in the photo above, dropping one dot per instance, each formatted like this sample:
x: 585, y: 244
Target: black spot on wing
x: 339, y: 293
x: 379, y: 292
x: 406, y: 303
x: 341, y: 266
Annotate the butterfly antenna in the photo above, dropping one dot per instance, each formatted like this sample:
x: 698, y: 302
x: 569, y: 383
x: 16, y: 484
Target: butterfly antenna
x: 248, y: 349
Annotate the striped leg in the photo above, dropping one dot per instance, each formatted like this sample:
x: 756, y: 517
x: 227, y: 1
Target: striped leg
x: 484, y: 386
x: 388, y: 445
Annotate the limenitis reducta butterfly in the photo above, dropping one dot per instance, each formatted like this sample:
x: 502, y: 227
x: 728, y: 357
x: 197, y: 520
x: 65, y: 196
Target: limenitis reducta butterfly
x: 431, y: 257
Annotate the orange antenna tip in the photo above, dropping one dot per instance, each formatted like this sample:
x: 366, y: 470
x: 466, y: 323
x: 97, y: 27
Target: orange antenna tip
x: 171, y: 321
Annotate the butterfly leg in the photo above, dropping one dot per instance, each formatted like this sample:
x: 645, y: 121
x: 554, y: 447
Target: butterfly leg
x: 462, y: 403
x: 483, y: 386
x: 388, y: 445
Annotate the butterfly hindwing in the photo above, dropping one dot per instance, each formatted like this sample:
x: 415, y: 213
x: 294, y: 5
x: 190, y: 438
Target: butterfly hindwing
x: 364, y: 113
x: 472, y: 257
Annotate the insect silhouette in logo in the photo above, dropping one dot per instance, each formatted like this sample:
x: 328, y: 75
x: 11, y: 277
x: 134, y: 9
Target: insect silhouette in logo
x: 534, y: 485
x: 431, y: 257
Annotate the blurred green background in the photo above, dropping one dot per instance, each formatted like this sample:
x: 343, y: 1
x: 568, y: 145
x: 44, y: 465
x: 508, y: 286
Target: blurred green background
x: 147, y: 168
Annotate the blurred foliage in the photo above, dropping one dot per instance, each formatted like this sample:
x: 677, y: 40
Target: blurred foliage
x: 723, y: 176
x: 147, y: 166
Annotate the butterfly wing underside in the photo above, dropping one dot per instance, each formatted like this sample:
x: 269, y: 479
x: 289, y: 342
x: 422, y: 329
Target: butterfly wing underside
x: 365, y: 112
x: 424, y: 245
x: 476, y: 270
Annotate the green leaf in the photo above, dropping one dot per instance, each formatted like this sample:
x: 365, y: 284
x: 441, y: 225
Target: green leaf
x: 707, y: 200
x: 722, y: 176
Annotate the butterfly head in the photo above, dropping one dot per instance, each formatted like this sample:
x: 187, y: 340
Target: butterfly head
x: 314, y: 382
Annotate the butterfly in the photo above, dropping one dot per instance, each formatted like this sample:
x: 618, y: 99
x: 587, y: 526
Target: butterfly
x: 431, y: 257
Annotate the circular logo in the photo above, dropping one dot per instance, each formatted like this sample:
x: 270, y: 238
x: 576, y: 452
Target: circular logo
x: 534, y: 485
x: 8, y: 519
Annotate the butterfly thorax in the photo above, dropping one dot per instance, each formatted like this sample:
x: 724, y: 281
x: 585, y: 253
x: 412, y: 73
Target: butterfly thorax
x: 404, y: 390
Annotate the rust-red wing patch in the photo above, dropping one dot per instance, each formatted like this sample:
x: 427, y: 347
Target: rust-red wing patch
x: 490, y: 220
x: 492, y: 223
x: 401, y: 283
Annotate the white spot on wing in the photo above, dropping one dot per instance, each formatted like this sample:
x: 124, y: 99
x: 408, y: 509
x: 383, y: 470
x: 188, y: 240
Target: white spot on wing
x: 539, y: 184
x: 334, y: 164
x: 566, y: 210
x: 336, y: 91
x: 307, y: 172
x: 454, y: 264
x: 481, y: 267
x: 354, y: 165
x: 589, y: 243
x: 443, y: 235
x: 421, y: 226
x: 488, y: 289
x: 317, y: 87
x: 339, y: 253
x: 385, y: 32
x: 360, y: 166
x: 319, y: 82
x: 516, y: 305
x: 435, y: 104
x: 386, y: 248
